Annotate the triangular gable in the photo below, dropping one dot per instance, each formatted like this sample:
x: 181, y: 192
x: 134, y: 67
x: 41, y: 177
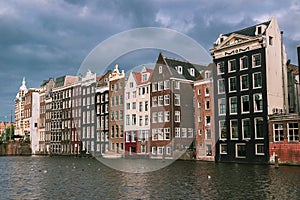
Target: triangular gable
x: 233, y: 39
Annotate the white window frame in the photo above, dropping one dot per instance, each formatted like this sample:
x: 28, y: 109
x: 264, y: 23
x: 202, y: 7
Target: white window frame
x: 192, y: 71
x: 160, y: 86
x: 254, y: 103
x: 278, y: 130
x: 219, y: 65
x: 255, y: 87
x: 167, y: 116
x: 241, y: 82
x: 180, y: 69
x: 160, y: 150
x: 166, y: 84
x: 177, y: 132
x: 221, y: 82
x: 221, y: 122
x: 160, y: 134
x: 206, y: 91
x: 206, y: 120
x: 144, y: 77
x: 177, y: 116
x: 168, y: 151
x: 160, y: 117
x: 231, y: 130
x: 154, y: 86
x: 154, y: 134
x: 177, y: 99
x: 293, y: 129
x: 167, y: 131
x: 255, y: 127
x: 160, y: 100
x: 236, y: 150
x: 166, y: 99
x: 153, y: 151
x: 207, y: 105
x: 154, y: 117
x: 208, y: 133
x: 230, y: 65
x: 241, y: 63
x: 242, y: 105
x: 183, y: 132
x: 190, y: 132
x: 154, y: 101
x: 160, y: 69
x: 221, y: 152
x: 177, y: 85
x: 243, y: 130
x: 229, y: 84
x: 230, y: 107
x: 253, y: 60
x: 219, y: 106
x: 256, y: 149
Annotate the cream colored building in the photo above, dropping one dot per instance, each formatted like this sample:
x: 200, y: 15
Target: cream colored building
x: 19, y: 109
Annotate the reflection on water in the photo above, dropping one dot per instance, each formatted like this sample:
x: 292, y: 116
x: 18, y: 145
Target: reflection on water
x: 85, y: 178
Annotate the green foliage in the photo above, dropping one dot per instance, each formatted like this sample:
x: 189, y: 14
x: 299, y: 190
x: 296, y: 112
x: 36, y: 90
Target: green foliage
x: 7, y: 133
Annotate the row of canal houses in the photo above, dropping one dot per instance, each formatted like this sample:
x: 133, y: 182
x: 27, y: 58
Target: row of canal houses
x: 243, y: 107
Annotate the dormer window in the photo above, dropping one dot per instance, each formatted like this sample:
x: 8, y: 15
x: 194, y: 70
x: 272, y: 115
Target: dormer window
x: 144, y: 77
x: 179, y: 69
x: 259, y: 30
x: 207, y: 74
x: 192, y: 72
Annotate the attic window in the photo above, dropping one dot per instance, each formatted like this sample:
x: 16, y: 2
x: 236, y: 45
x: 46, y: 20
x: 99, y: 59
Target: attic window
x: 179, y: 69
x: 144, y: 77
x: 192, y: 72
x: 221, y: 39
x: 258, y: 30
x: 207, y: 74
x: 160, y: 69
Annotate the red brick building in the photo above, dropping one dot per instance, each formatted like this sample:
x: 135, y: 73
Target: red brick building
x: 205, y: 138
x: 284, y: 138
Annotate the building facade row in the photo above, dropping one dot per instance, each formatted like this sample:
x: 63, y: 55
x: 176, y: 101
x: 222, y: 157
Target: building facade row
x: 224, y: 112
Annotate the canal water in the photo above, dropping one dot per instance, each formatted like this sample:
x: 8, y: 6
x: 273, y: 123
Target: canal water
x: 86, y: 178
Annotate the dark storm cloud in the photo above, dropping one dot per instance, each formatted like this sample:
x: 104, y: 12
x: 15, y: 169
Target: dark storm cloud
x: 42, y: 38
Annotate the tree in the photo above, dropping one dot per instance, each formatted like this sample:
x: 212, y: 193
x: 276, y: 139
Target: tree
x: 7, y: 130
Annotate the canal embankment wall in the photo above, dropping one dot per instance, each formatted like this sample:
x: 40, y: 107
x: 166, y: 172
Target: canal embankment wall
x: 15, y: 149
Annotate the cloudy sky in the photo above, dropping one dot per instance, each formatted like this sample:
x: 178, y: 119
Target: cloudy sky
x: 50, y: 38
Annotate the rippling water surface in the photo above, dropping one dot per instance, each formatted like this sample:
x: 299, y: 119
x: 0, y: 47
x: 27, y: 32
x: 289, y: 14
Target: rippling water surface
x: 86, y: 178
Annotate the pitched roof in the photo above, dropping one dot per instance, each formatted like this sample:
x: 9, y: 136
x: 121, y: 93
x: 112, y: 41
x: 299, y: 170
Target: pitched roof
x: 173, y: 66
x: 202, y: 73
x: 99, y: 77
x: 249, y: 31
x: 60, y: 81
x: 138, y: 76
x: 293, y: 68
x: 65, y: 80
x: 45, y: 82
